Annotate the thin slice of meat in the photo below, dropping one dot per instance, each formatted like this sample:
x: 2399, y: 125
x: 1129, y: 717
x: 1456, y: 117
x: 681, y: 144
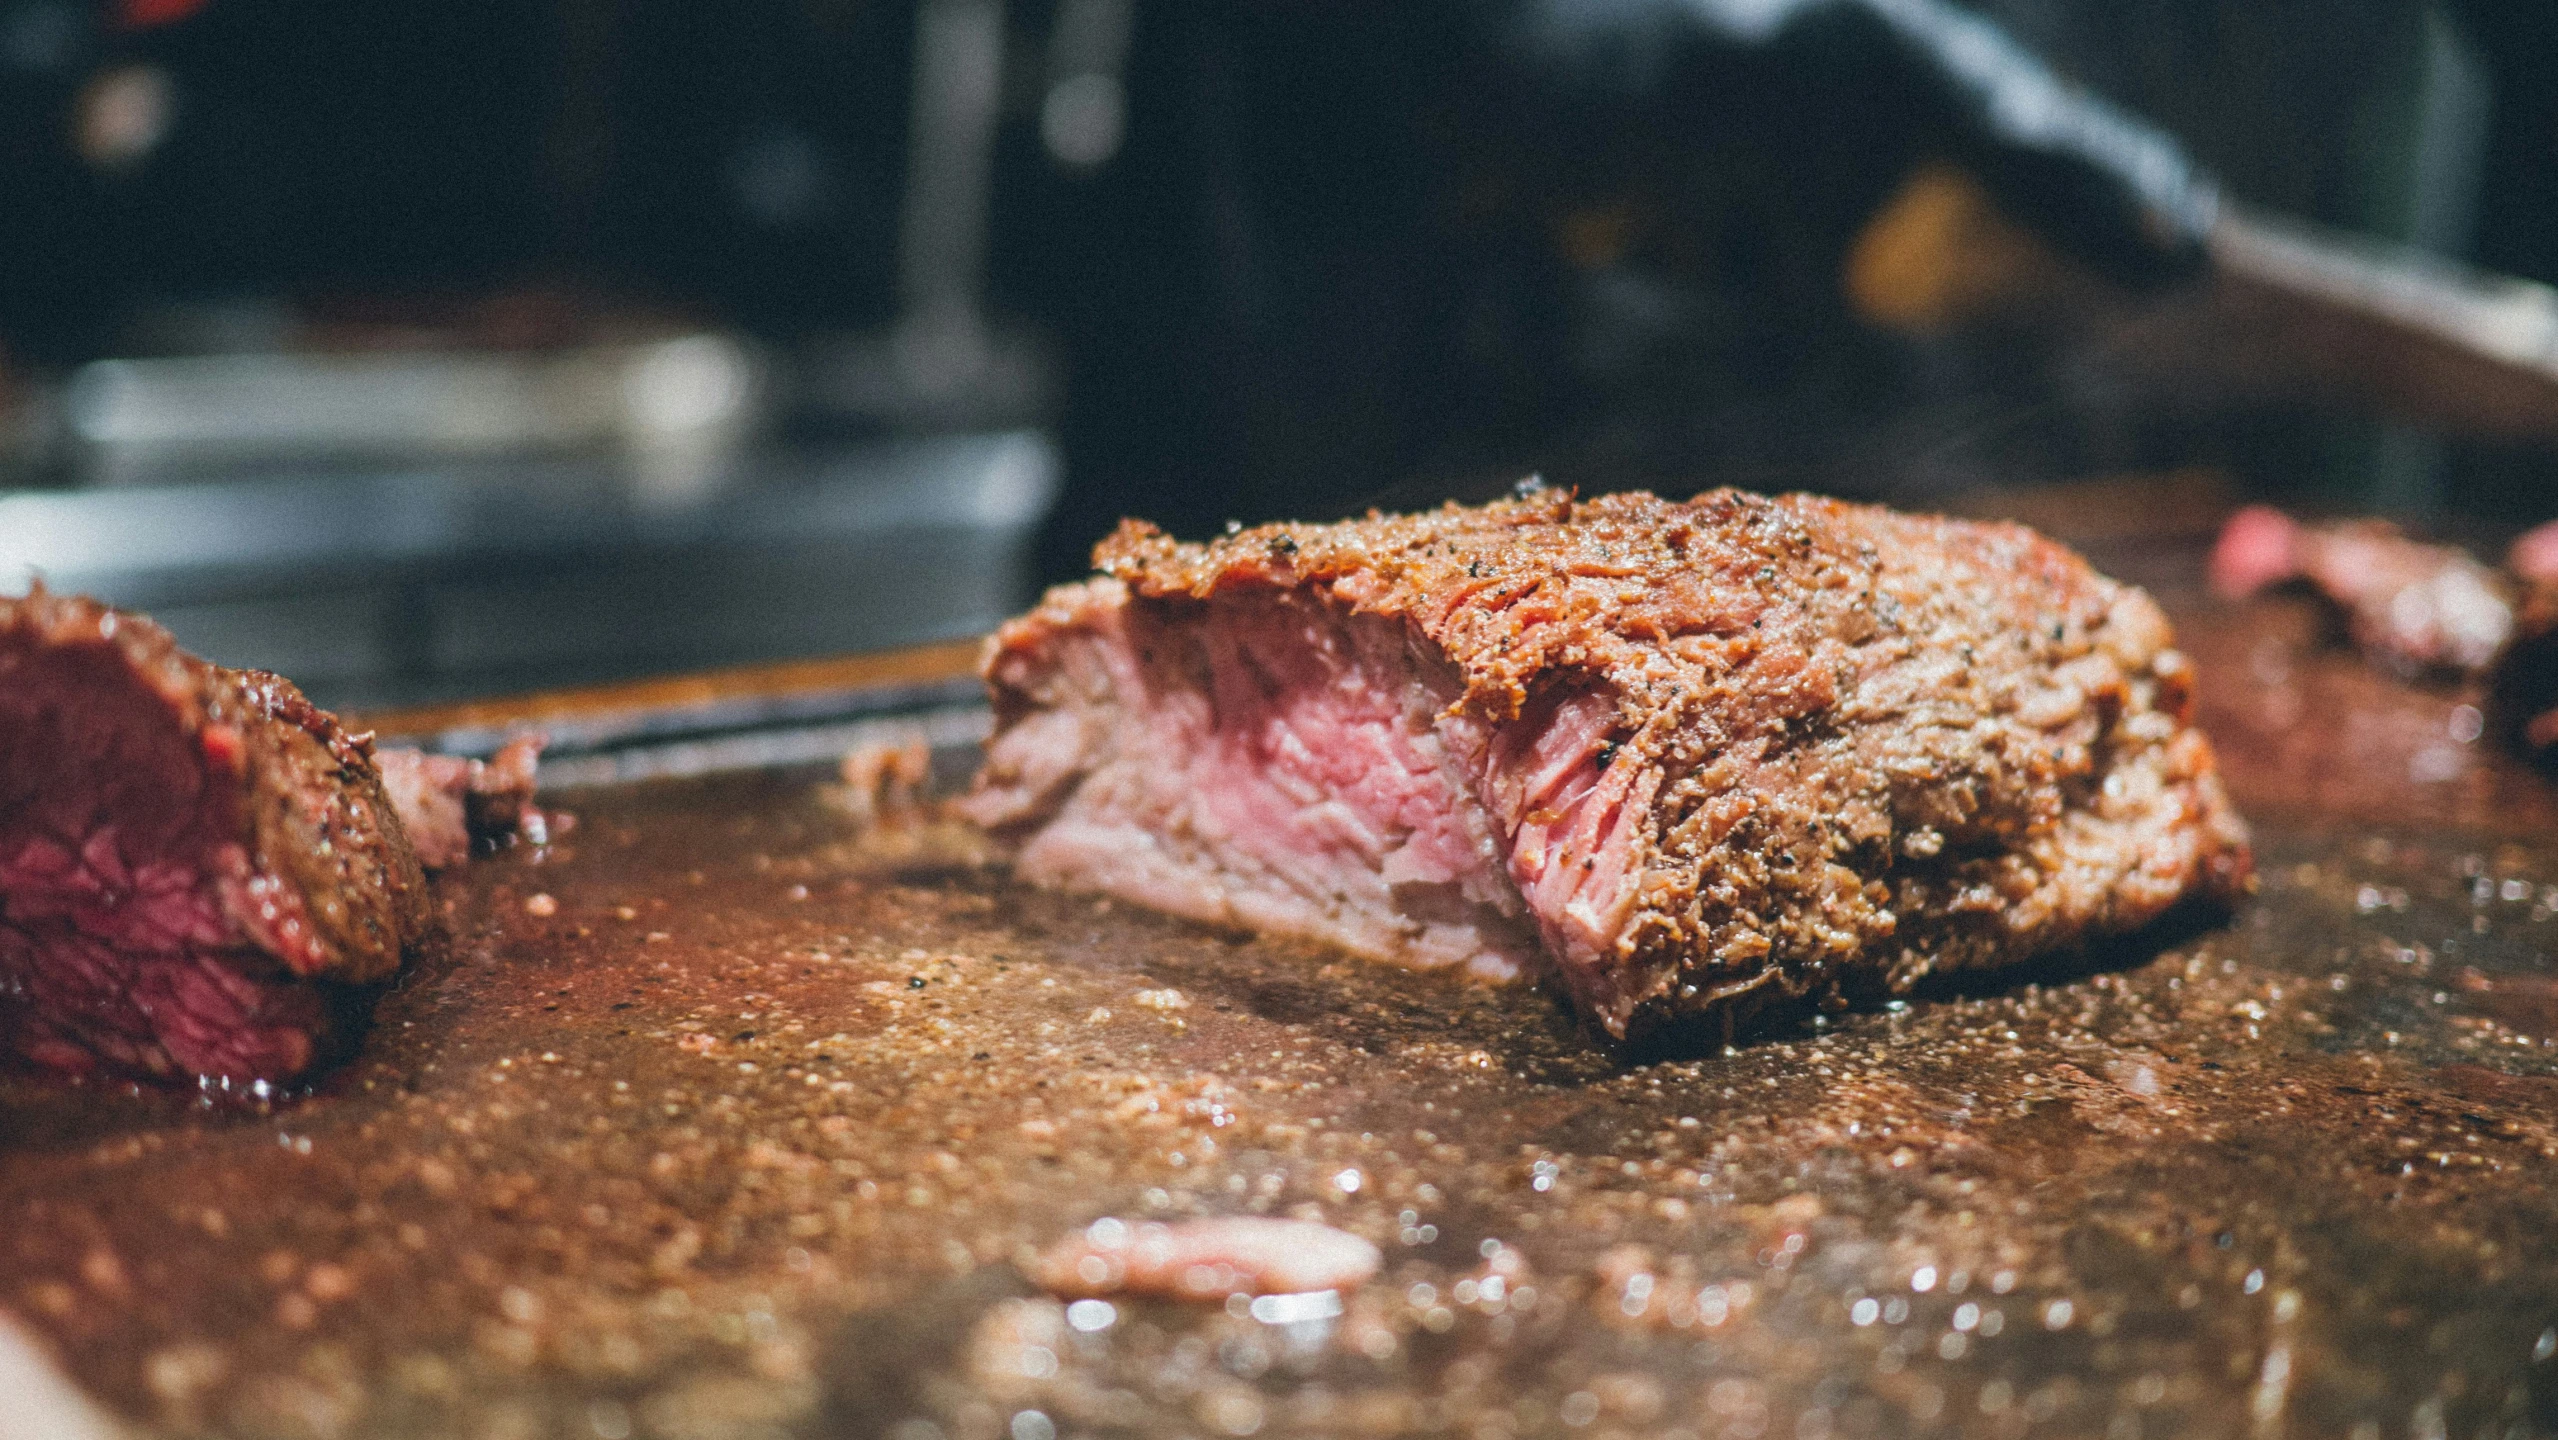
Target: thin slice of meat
x: 1205, y: 1259
x: 200, y: 873
x: 1688, y: 759
x: 2412, y: 606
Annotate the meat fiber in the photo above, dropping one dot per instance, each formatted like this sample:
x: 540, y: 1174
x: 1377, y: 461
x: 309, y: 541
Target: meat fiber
x: 1687, y: 759
x: 200, y: 873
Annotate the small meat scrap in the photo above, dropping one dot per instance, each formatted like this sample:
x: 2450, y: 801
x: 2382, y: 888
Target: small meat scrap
x: 1205, y: 1259
x: 446, y: 802
x: 1695, y: 761
x: 200, y: 871
x: 886, y: 775
x: 2412, y: 606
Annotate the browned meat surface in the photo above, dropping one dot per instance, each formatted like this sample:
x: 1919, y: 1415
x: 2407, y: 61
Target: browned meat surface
x: 1689, y: 759
x: 198, y: 868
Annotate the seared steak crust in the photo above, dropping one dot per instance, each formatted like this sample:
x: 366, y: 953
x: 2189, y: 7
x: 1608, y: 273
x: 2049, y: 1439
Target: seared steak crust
x: 1738, y: 750
x: 194, y: 861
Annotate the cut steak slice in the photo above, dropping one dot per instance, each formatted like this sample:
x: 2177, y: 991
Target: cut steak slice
x: 199, y: 870
x: 1689, y: 759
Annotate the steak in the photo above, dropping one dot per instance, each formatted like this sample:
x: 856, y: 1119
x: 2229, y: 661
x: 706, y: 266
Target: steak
x: 200, y: 872
x: 1687, y: 760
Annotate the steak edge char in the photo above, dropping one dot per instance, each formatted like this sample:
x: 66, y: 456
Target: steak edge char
x: 198, y: 868
x: 1689, y: 759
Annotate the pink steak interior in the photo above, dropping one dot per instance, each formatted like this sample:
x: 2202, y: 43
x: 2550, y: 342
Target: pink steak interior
x: 123, y: 882
x: 1275, y: 763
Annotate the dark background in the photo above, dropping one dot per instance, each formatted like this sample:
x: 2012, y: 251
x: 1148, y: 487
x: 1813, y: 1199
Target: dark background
x: 1349, y: 252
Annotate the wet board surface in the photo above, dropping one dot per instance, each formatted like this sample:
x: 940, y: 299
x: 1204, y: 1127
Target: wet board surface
x: 733, y: 1114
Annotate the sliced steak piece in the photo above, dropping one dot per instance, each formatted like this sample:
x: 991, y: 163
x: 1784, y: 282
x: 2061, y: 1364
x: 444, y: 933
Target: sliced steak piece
x: 1687, y: 758
x: 199, y: 870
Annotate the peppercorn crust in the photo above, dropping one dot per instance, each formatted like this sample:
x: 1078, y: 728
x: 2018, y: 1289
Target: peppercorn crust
x: 1860, y: 747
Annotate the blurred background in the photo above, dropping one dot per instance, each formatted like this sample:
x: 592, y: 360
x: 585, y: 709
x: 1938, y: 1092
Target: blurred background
x: 420, y: 349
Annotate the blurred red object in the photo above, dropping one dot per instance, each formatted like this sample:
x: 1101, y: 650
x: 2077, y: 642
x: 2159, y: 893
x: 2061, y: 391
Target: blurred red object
x: 2414, y: 606
x: 151, y: 14
x: 2535, y: 555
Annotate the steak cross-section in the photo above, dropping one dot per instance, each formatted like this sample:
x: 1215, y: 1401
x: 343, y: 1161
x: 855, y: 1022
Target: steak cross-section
x: 199, y: 870
x: 1687, y: 759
